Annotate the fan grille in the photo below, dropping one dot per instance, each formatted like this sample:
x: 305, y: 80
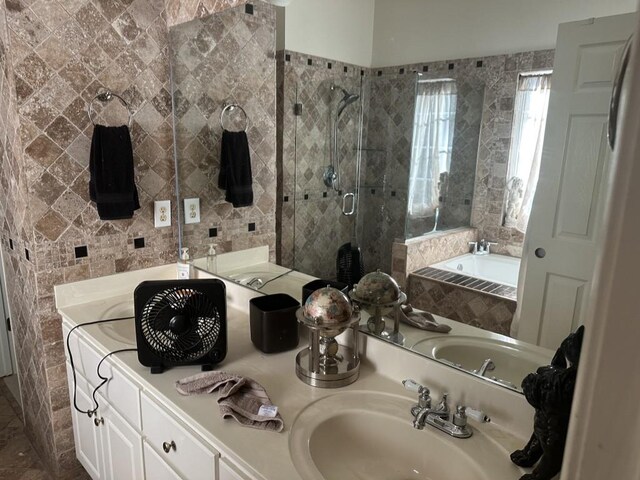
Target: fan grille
x: 180, y: 324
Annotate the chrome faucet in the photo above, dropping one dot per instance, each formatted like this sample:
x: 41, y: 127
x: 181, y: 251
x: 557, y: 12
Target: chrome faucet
x: 439, y: 417
x: 482, y: 247
x: 255, y: 282
x: 487, y: 365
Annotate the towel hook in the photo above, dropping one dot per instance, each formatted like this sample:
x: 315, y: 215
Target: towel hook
x: 106, y: 96
x: 230, y: 107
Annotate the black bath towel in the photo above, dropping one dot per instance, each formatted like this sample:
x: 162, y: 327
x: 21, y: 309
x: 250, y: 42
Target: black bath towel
x: 235, y: 169
x: 112, y: 183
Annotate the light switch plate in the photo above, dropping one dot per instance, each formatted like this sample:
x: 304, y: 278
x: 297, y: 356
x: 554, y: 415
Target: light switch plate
x: 191, y: 210
x: 162, y: 213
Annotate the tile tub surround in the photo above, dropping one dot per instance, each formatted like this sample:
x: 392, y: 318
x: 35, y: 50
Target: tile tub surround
x: 421, y: 252
x: 479, y: 309
x: 226, y: 58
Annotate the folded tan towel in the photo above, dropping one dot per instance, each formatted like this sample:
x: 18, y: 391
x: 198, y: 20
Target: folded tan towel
x: 422, y: 320
x: 240, y: 397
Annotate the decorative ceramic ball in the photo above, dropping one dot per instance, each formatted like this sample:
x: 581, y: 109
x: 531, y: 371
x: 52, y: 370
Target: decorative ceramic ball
x: 377, y: 288
x: 328, y: 307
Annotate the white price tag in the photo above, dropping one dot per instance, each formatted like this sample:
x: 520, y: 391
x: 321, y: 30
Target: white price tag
x: 268, y: 411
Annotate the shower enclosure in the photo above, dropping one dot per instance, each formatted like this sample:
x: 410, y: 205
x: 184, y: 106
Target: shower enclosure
x: 351, y: 164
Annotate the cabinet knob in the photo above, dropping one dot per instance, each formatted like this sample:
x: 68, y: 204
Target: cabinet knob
x: 98, y: 421
x: 167, y: 447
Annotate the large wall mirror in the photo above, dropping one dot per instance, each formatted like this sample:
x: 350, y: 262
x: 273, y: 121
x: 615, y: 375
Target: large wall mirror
x: 459, y: 147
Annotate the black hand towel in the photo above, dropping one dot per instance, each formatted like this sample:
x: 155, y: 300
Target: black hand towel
x: 112, y: 183
x: 235, y: 169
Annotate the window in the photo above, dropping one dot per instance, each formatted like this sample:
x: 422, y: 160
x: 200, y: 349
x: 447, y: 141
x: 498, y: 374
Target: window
x: 527, y: 136
x: 433, y: 128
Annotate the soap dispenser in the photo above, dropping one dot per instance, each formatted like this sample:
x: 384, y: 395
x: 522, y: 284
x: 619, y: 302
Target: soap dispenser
x: 184, y: 264
x: 212, y: 259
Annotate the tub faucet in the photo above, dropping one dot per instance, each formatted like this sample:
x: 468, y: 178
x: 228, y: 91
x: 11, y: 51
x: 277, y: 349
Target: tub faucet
x: 482, y: 247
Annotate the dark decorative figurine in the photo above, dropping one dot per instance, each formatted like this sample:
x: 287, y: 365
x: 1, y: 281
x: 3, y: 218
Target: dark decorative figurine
x: 550, y: 392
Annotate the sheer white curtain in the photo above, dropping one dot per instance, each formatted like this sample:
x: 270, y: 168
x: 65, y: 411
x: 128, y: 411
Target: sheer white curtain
x: 527, y: 136
x: 432, y: 143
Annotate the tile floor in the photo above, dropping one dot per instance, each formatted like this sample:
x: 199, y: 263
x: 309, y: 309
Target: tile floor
x: 18, y: 460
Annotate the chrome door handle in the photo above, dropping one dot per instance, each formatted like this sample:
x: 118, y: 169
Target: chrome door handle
x: 614, y: 107
x: 344, y: 204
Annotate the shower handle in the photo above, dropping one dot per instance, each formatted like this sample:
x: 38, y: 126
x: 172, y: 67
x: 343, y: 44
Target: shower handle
x: 344, y: 204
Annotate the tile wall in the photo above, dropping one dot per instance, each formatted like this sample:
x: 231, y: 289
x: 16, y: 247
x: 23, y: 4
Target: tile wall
x: 216, y: 60
x: 55, y: 55
x: 500, y: 75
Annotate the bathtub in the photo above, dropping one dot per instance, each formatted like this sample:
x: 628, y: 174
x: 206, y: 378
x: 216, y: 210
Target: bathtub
x: 493, y: 268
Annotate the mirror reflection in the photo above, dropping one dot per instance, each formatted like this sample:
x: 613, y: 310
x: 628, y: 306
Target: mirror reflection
x: 456, y: 166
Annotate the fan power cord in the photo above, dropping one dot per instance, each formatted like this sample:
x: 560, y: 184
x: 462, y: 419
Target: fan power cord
x: 91, y: 412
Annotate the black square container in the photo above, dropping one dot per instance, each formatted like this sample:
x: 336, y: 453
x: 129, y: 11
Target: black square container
x: 314, y: 285
x: 274, y: 327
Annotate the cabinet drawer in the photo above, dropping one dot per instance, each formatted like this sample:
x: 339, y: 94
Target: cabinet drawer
x: 188, y: 455
x: 119, y: 391
x: 155, y: 468
x: 228, y: 471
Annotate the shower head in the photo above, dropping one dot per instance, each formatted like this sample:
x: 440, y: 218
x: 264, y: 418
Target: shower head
x: 347, y: 98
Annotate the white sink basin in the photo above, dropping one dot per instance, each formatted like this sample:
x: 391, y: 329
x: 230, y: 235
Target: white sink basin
x: 367, y: 435
x: 513, y: 361
x: 123, y: 331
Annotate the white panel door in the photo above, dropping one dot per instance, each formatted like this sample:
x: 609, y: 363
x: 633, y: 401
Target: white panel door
x: 560, y: 245
x: 85, y: 432
x: 121, y: 445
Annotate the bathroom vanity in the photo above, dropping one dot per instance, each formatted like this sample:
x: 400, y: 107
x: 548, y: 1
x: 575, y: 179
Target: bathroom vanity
x: 144, y: 428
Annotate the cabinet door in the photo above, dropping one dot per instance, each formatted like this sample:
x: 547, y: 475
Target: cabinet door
x: 155, y: 468
x: 121, y: 445
x: 85, y: 432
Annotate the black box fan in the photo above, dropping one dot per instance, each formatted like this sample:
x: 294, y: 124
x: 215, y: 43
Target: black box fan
x: 180, y: 322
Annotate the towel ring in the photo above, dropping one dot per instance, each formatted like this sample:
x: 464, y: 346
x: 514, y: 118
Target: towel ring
x: 107, y: 96
x: 230, y: 107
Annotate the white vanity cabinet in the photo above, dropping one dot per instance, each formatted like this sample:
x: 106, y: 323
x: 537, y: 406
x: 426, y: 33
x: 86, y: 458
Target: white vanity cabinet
x: 132, y: 436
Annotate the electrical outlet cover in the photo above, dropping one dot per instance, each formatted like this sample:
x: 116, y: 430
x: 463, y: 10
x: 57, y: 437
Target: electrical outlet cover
x: 191, y: 210
x: 162, y: 213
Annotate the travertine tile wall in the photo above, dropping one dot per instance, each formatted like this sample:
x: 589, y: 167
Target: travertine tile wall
x: 495, y: 141
x: 179, y: 11
x: 55, y: 56
x: 219, y: 59
x: 62, y: 53
x: 20, y: 272
x: 499, y: 74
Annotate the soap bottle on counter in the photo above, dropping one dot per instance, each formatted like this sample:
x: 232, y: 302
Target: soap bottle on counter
x: 184, y: 264
x: 212, y: 259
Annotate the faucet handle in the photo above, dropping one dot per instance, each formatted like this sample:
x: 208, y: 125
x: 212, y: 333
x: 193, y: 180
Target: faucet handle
x: 460, y: 417
x: 414, y: 386
x: 489, y: 245
x: 475, y: 247
x: 424, y: 398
